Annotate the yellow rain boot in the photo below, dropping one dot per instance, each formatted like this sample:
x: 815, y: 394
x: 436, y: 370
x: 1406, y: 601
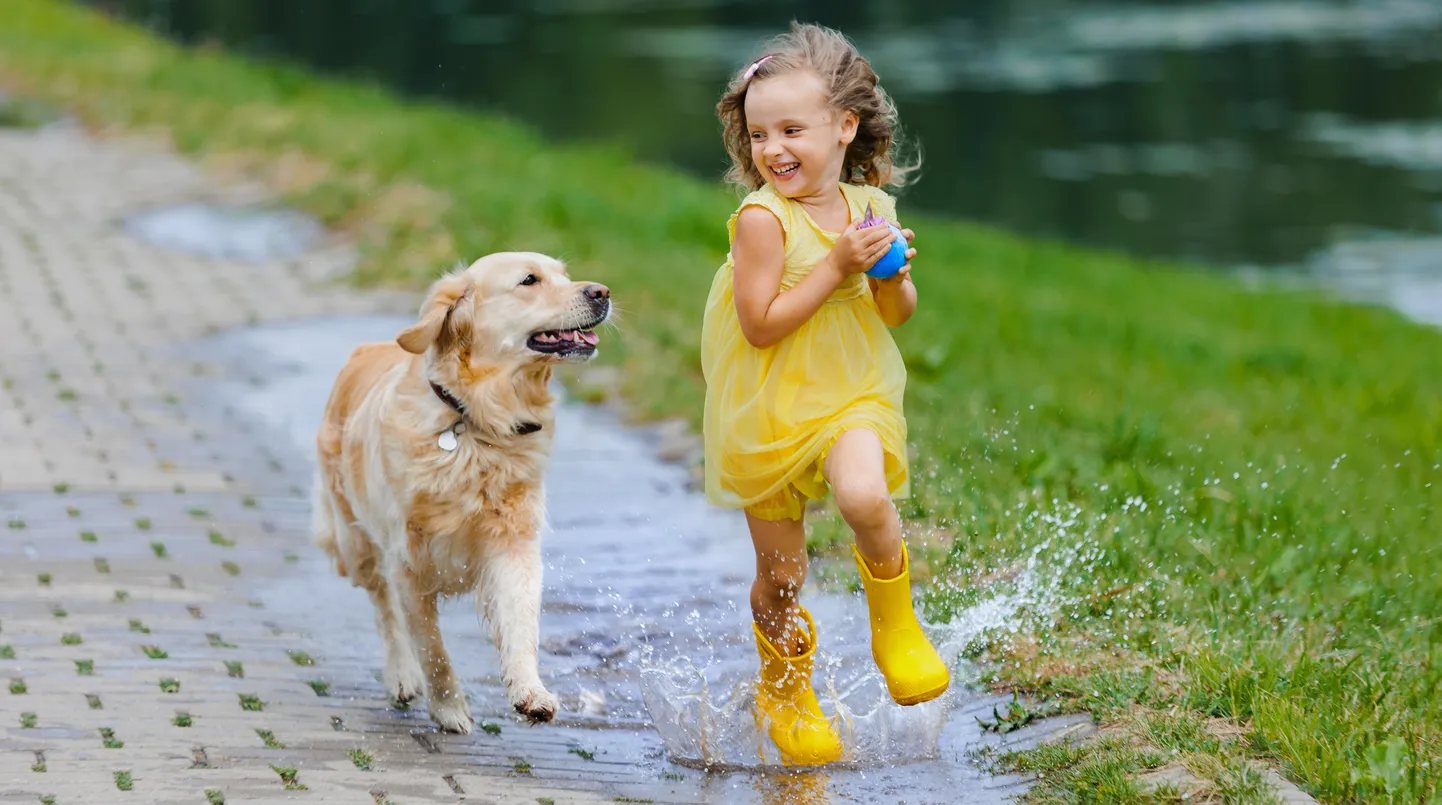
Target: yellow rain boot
x: 787, y: 705
x: 913, y: 669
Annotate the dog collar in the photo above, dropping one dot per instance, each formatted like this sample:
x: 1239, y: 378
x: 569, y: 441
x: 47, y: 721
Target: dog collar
x: 523, y: 429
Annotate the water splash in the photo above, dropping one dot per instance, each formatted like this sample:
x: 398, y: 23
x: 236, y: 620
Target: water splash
x: 701, y: 703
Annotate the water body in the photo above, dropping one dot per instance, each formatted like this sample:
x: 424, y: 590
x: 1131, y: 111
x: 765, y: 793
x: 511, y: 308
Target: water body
x: 1257, y: 132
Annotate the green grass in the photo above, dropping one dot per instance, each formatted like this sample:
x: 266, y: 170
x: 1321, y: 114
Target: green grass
x: 361, y: 758
x: 251, y: 702
x: 214, y: 796
x: 107, y: 736
x: 71, y: 639
x: 182, y: 719
x: 1111, y: 769
x: 28, y: 721
x: 123, y: 780
x: 85, y: 667
x: 1231, y: 494
x: 300, y: 657
x: 155, y: 652
x: 268, y: 738
x: 288, y: 777
x: 234, y: 668
x: 170, y: 685
x: 7, y: 652
x: 320, y: 686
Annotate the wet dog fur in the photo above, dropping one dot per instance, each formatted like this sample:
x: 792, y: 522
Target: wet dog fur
x: 409, y: 521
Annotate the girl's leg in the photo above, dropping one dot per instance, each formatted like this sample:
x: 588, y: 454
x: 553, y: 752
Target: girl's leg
x: 856, y: 470
x: 913, y: 670
x: 785, y: 704
x: 780, y: 572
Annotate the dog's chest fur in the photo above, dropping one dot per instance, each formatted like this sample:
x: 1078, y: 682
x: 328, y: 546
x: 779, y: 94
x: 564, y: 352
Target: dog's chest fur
x: 479, y: 497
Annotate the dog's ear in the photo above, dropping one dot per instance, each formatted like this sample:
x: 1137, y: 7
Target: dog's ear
x: 440, y: 308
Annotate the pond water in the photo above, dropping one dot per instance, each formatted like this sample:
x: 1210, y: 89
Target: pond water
x: 1260, y: 133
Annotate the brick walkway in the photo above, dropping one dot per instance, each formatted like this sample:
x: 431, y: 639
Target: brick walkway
x: 167, y: 633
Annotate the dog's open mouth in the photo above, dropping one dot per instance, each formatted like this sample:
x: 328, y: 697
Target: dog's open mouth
x: 564, y: 342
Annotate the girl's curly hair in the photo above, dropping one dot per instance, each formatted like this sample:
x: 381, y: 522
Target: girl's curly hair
x: 851, y: 85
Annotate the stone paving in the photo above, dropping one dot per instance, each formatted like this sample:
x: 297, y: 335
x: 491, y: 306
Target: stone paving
x: 156, y: 579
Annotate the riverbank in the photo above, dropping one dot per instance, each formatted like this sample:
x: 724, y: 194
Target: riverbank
x: 1236, y: 490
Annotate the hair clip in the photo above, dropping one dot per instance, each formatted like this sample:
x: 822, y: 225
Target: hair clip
x: 750, y: 71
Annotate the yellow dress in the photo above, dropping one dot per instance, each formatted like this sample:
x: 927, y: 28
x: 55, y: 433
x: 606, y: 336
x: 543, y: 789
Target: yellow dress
x: 772, y: 414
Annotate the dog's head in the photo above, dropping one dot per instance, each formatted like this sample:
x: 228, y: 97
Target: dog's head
x: 510, y: 308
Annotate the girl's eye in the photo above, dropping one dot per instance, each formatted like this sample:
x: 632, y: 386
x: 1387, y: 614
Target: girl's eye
x: 755, y: 135
x: 530, y: 280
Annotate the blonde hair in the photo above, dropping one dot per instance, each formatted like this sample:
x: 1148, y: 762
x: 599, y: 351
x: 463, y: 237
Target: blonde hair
x: 851, y: 85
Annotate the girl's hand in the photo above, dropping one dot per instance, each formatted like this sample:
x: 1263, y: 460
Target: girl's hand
x: 859, y: 249
x: 904, y: 273
x: 910, y: 253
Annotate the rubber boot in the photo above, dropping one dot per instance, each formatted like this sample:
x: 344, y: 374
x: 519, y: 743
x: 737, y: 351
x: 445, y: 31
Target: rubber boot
x: 913, y: 670
x: 787, y: 705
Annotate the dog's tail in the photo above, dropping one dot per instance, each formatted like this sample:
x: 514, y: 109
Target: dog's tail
x: 322, y: 518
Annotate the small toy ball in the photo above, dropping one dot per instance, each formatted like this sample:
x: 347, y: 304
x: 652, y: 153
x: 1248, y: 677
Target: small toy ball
x: 893, y: 260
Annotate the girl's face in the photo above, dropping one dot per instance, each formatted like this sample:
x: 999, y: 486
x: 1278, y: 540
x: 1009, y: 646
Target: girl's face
x: 798, y: 141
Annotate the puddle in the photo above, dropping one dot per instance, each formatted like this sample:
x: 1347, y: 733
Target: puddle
x: 227, y: 233
x: 645, y: 628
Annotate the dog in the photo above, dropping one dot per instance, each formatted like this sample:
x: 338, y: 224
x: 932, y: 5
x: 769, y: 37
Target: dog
x: 430, y: 458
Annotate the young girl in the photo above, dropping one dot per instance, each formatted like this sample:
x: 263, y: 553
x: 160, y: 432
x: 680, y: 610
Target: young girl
x: 804, y: 383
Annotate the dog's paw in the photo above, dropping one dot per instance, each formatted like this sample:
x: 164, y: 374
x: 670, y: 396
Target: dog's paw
x: 535, y: 703
x: 452, y: 714
x: 404, y: 684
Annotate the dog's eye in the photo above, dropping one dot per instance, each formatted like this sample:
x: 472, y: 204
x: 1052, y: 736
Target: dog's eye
x: 530, y: 280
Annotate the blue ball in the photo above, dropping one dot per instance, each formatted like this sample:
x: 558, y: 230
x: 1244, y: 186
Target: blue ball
x: 892, y: 261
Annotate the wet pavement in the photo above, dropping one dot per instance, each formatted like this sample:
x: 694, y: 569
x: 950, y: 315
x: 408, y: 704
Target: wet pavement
x: 168, y: 634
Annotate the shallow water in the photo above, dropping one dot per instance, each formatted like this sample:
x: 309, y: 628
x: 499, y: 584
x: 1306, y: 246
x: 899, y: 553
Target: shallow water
x: 227, y: 233
x: 645, y: 626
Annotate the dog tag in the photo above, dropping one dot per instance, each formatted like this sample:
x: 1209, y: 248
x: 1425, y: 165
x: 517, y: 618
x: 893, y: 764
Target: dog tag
x: 447, y: 440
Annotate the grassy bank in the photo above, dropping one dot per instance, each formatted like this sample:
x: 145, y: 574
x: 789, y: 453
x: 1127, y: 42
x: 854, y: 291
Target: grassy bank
x: 1232, y: 496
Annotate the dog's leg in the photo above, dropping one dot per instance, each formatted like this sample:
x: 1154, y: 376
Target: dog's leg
x: 403, y: 677
x: 511, y: 598
x: 446, y: 698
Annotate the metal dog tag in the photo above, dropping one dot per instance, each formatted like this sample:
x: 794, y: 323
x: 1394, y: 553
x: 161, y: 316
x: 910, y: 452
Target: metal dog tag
x: 447, y: 440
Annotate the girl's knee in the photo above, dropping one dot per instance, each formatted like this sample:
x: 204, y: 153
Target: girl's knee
x: 864, y: 503
x: 781, y: 579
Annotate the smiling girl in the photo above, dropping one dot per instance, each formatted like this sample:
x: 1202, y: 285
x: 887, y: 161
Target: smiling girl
x: 804, y: 383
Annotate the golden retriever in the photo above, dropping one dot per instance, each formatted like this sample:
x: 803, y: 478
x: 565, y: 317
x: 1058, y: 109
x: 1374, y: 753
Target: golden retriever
x: 430, y: 462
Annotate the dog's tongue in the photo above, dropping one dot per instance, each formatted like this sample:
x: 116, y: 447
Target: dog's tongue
x: 590, y: 338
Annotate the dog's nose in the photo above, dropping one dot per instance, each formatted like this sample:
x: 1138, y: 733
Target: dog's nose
x: 597, y: 291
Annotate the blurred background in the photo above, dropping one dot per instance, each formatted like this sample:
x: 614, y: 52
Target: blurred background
x: 1286, y: 134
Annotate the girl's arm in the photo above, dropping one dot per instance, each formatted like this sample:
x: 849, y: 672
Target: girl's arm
x: 896, y: 295
x: 758, y: 252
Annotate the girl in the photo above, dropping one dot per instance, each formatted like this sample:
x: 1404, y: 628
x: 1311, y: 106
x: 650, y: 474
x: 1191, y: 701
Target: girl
x: 804, y: 383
